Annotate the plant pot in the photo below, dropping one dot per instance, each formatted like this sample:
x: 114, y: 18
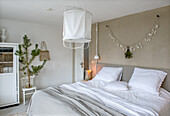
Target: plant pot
x: 27, y: 85
x: 25, y: 81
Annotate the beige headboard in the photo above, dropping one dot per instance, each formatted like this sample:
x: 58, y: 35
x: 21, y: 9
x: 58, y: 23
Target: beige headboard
x: 128, y: 71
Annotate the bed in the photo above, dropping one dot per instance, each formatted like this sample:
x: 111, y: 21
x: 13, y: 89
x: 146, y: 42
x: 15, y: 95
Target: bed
x: 81, y: 98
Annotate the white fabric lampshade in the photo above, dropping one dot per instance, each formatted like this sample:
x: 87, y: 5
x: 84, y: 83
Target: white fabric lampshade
x: 77, y: 26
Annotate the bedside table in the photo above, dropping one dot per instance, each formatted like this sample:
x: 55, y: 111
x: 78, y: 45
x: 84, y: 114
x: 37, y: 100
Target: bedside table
x: 87, y: 79
x: 28, y: 91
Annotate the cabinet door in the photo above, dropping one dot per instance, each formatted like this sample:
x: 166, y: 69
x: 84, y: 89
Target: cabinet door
x: 8, y: 87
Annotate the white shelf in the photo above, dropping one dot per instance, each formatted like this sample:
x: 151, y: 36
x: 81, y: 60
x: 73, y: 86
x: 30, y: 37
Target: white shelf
x: 1, y: 43
x: 6, y: 53
x: 6, y: 62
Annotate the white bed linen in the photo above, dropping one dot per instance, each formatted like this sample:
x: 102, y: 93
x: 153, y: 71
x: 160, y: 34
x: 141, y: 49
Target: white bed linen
x: 96, y: 83
x: 147, y: 80
x: 132, y: 102
x: 116, y: 86
x: 43, y: 104
x: 109, y: 74
x: 160, y: 104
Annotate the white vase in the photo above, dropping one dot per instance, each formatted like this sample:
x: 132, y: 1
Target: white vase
x: 3, y: 35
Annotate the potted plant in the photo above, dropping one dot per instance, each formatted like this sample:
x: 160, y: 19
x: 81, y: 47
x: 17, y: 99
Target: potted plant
x: 26, y: 60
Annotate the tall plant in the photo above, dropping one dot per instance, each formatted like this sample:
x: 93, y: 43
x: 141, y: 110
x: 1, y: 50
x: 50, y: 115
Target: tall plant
x: 26, y: 60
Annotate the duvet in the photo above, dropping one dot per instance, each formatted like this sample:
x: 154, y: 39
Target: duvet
x: 80, y: 99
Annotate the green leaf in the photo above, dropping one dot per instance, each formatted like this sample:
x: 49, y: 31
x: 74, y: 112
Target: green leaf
x: 24, y: 58
x: 128, y: 54
x: 36, y: 46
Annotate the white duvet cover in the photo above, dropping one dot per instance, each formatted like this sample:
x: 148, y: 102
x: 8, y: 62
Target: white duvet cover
x: 131, y: 102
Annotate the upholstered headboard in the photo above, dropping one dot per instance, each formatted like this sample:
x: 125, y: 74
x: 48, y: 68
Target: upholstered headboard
x: 128, y: 71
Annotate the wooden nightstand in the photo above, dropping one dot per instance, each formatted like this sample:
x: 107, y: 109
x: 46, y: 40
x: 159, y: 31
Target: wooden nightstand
x: 28, y: 91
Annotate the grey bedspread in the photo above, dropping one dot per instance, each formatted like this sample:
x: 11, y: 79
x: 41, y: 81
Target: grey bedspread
x: 56, y: 101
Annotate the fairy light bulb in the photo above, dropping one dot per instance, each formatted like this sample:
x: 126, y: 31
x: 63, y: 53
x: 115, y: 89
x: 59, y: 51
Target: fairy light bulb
x: 156, y: 26
x: 155, y: 32
x: 150, y: 34
x: 137, y: 47
x: 112, y: 38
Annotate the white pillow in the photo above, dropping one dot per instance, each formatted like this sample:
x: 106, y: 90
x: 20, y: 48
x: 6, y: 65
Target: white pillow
x: 109, y: 74
x: 116, y: 86
x: 96, y: 83
x: 147, y: 80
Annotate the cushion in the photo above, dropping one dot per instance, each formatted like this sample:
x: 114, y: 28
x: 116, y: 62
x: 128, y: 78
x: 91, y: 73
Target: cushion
x: 96, y: 83
x: 109, y: 74
x: 116, y: 86
x: 147, y: 80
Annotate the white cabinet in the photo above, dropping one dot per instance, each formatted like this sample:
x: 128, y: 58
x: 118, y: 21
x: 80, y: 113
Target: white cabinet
x: 9, y: 74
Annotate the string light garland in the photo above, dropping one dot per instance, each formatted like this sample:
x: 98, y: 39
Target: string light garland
x: 130, y: 49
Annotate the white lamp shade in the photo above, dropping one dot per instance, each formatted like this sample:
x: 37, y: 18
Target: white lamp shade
x: 77, y: 26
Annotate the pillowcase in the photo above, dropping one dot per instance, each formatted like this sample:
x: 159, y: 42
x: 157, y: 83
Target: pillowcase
x: 96, y: 83
x: 147, y: 80
x: 116, y: 86
x: 109, y: 74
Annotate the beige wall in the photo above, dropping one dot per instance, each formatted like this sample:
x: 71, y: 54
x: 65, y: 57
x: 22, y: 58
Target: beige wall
x: 130, y: 29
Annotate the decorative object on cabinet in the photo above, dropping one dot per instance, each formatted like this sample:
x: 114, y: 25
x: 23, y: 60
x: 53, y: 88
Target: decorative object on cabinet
x: 44, y: 53
x: 26, y: 61
x: 9, y: 74
x: 3, y: 35
x: 130, y: 49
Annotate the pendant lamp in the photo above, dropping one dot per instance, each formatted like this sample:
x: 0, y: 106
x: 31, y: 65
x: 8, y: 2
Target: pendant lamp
x: 76, y: 28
